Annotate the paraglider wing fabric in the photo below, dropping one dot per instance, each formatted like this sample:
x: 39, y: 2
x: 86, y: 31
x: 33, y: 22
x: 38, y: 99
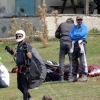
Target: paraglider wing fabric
x: 38, y: 70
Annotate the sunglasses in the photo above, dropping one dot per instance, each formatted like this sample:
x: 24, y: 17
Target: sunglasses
x: 79, y: 19
x: 18, y: 36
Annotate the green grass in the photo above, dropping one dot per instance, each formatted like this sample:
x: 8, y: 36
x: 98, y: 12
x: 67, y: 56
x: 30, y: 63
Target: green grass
x: 89, y: 90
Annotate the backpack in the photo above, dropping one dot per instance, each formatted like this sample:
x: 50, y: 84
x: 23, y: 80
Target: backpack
x: 37, y: 73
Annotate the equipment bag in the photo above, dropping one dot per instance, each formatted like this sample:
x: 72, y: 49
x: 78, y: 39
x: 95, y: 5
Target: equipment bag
x: 37, y: 70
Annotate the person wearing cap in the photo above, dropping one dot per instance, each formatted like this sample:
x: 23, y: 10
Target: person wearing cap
x: 4, y: 76
x: 78, y: 36
x: 92, y: 5
x: 23, y: 57
x: 62, y: 33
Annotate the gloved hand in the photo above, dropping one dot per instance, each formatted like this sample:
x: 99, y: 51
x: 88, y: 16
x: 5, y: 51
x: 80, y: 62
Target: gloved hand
x: 8, y: 49
x: 25, y: 48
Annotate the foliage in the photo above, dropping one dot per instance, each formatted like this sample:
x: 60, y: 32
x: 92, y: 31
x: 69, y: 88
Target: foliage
x: 89, y: 90
x: 33, y: 31
x: 94, y: 31
x: 55, y: 15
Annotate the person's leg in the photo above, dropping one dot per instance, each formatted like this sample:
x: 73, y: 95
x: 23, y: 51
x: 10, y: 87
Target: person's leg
x: 92, y: 7
x: 83, y: 66
x: 98, y: 7
x: 22, y: 86
x: 61, y: 62
x: 82, y: 4
x: 75, y: 62
x: 70, y: 61
x: 75, y: 65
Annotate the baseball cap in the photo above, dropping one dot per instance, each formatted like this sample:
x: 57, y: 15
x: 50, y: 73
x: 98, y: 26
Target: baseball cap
x: 79, y: 17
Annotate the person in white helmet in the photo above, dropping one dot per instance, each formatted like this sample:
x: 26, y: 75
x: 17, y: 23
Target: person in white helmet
x: 31, y: 68
x: 23, y: 53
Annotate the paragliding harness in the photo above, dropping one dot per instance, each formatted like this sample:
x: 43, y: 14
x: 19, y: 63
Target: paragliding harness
x: 28, y: 71
x: 35, y: 73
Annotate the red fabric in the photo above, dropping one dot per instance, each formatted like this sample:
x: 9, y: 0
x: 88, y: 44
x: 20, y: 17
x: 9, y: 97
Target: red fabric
x: 93, y: 70
x: 14, y: 70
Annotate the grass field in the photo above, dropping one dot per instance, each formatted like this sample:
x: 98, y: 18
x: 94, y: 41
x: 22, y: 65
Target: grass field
x: 89, y: 90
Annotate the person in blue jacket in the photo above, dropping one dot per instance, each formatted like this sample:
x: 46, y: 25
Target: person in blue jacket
x: 78, y: 36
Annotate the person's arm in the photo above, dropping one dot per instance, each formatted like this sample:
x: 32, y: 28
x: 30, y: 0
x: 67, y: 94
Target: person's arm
x: 57, y: 33
x: 82, y: 33
x: 29, y: 55
x: 27, y: 49
x: 71, y: 35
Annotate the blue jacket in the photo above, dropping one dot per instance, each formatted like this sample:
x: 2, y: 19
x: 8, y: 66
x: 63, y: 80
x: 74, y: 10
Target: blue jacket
x: 78, y: 32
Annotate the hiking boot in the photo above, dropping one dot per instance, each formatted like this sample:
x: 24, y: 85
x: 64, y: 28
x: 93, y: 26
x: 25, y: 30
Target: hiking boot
x: 83, y: 78
x: 72, y: 79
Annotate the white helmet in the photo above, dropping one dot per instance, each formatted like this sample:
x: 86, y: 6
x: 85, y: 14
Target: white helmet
x: 20, y: 32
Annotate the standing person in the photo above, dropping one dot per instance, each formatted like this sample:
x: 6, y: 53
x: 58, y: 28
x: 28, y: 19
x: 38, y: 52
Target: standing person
x: 4, y: 76
x: 78, y: 36
x: 92, y: 5
x: 21, y: 51
x: 31, y: 68
x: 62, y: 33
x: 98, y: 5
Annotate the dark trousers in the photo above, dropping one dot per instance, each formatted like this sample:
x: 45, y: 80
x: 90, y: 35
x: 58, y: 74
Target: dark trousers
x: 79, y: 67
x: 92, y: 5
x: 64, y: 49
x: 98, y: 7
x: 23, y: 86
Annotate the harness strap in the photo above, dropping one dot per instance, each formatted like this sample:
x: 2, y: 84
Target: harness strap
x: 20, y: 71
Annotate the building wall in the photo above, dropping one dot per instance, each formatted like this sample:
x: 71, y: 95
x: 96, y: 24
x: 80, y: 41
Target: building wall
x: 3, y: 8
x: 59, y: 3
x: 10, y: 7
x: 7, y: 7
x: 90, y: 21
x: 6, y: 23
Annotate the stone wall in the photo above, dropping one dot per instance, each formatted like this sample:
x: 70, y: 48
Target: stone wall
x: 92, y: 21
x: 5, y: 23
